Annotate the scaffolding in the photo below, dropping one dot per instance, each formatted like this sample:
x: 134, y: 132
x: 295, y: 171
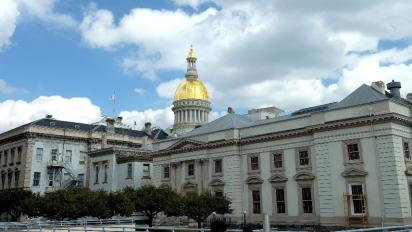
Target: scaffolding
x: 350, y: 216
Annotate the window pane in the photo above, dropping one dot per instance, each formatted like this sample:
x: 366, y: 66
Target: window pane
x: 406, y: 150
x: 166, y: 172
x: 353, y: 151
x: 280, y: 201
x: 254, y: 163
x: 307, y: 200
x: 218, y: 166
x: 303, y: 158
x: 256, y: 201
x: 277, y: 159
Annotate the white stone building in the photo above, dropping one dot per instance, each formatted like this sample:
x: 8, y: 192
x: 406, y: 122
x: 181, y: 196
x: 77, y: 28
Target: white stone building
x: 49, y: 154
x: 346, y: 162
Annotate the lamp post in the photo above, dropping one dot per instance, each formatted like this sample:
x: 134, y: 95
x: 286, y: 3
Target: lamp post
x: 244, y: 218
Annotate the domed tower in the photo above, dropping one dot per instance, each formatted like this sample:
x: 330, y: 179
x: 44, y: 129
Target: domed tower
x: 191, y: 104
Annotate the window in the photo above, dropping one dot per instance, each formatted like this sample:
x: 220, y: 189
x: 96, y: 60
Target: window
x: 19, y: 155
x: 219, y: 193
x: 304, y: 158
x: 1, y: 156
x: 6, y: 157
x: 358, y: 200
x: 96, y: 173
x: 106, y: 176
x: 68, y: 156
x: 82, y: 158
x: 191, y: 169
x: 54, y: 154
x: 353, y: 151
x: 218, y: 166
x: 410, y: 194
x: 51, y: 179
x: 280, y: 201
x: 129, y: 171
x: 307, y: 200
x: 146, y: 170
x: 12, y: 152
x: 80, y: 179
x: 36, y: 179
x: 9, y: 179
x: 254, y: 163
x: 166, y: 172
x: 16, y: 179
x: 406, y: 150
x: 3, y: 180
x: 39, y: 154
x: 277, y: 160
x: 256, y: 201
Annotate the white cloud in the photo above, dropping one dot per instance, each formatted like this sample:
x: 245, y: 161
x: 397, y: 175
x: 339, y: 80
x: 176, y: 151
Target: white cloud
x: 140, y: 91
x: 8, y: 19
x: 167, y: 89
x: 6, y: 88
x: 162, y: 118
x: 259, y: 53
x: 14, y: 113
x: 12, y: 10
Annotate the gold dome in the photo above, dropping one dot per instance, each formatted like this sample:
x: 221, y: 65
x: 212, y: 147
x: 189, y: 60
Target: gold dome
x: 191, y: 89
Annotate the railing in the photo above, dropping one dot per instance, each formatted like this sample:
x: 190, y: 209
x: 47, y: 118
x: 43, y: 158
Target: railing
x: 112, y: 225
x: 69, y: 169
x: 383, y: 229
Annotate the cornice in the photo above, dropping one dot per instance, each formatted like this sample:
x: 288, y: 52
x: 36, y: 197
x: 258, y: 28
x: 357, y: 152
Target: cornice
x: 304, y: 131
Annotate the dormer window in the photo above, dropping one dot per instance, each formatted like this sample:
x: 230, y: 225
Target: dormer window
x: 52, y: 124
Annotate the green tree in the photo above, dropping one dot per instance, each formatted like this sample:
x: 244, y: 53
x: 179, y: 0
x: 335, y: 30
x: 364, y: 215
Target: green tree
x: 12, y: 202
x: 120, y: 203
x: 198, y: 206
x: 151, y: 200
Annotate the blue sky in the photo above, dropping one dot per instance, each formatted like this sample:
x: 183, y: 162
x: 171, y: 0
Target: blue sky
x: 251, y: 54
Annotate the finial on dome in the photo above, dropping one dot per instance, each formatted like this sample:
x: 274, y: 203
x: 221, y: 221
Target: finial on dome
x: 192, y: 53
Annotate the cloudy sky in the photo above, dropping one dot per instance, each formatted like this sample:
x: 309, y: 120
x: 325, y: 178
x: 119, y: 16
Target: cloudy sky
x: 66, y: 57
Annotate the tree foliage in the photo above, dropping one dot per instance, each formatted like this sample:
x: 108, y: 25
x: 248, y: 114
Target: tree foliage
x: 74, y: 203
x: 199, y: 206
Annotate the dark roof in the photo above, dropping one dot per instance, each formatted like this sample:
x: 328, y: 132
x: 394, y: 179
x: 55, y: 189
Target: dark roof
x: 362, y: 95
x: 47, y: 122
x: 313, y: 109
x: 229, y: 121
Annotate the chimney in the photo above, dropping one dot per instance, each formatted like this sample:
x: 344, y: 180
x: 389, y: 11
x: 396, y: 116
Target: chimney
x: 119, y: 120
x: 49, y: 116
x: 409, y: 97
x: 230, y: 110
x: 148, y: 128
x: 110, y: 125
x: 104, y: 141
x: 379, y: 86
x: 394, y: 87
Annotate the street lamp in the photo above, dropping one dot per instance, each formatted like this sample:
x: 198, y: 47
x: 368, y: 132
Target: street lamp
x: 214, y: 215
x: 244, y: 218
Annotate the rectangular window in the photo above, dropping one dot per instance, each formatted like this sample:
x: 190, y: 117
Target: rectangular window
x: 68, y: 156
x: 166, y: 172
x: 36, y: 179
x: 80, y: 179
x: 3, y: 180
x: 191, y: 169
x: 218, y: 166
x: 39, y: 154
x: 303, y: 158
x: 82, y: 158
x: 129, y: 171
x: 280, y: 201
x: 96, y: 173
x: 6, y: 157
x: 353, y: 151
x: 358, y: 199
x: 219, y: 193
x: 406, y: 150
x: 277, y: 160
x: 106, y: 175
x: 16, y: 179
x: 53, y: 155
x: 307, y: 200
x: 146, y: 170
x: 1, y: 156
x: 9, y: 179
x: 51, y: 179
x: 19, y: 155
x: 254, y: 163
x: 256, y: 201
x: 12, y: 152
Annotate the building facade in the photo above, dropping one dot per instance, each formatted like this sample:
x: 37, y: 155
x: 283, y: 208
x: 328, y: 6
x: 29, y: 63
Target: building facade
x: 342, y: 163
x: 50, y: 154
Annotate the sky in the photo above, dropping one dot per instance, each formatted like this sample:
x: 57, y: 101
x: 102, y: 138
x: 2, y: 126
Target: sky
x: 68, y: 57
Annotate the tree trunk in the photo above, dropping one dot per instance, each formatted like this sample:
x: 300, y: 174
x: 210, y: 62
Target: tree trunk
x: 150, y: 221
x: 199, y: 223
